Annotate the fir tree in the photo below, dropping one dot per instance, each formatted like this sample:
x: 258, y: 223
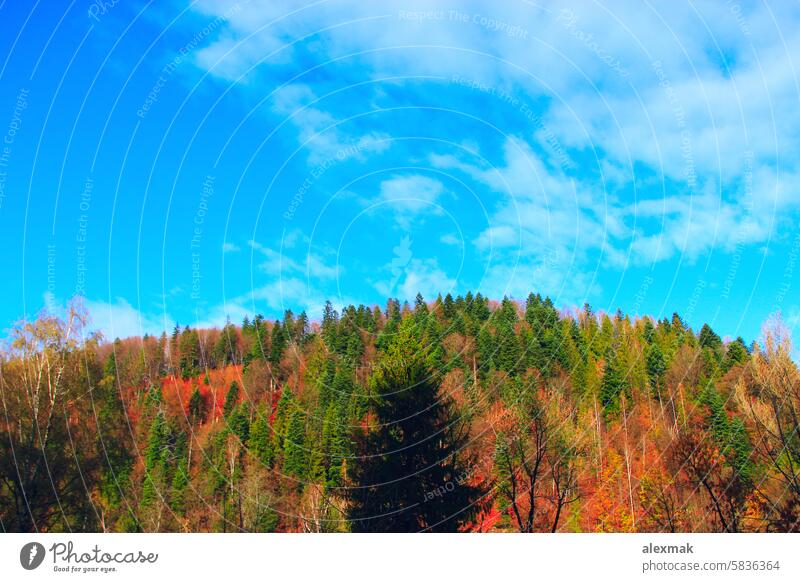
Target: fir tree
x: 231, y: 399
x: 277, y: 343
x: 197, y: 409
x: 294, y: 451
x: 414, y: 449
x: 612, y: 386
x: 260, y: 442
x: 656, y: 367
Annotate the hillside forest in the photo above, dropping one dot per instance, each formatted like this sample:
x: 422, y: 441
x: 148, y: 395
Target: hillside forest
x: 458, y: 414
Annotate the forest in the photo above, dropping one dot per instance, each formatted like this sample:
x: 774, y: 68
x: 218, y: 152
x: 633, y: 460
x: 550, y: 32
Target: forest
x: 453, y: 415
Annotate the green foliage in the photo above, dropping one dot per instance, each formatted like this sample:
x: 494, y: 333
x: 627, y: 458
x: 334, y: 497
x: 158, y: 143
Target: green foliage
x: 415, y: 434
x: 197, y: 408
x: 613, y: 385
x: 656, y: 367
x: 278, y: 343
x: 260, y: 441
x: 729, y: 433
x: 189, y: 347
x: 295, y: 454
x: 231, y: 399
x: 735, y: 355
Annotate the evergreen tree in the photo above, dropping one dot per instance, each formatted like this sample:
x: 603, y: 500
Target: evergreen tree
x: 197, y: 409
x: 612, y: 386
x: 709, y: 339
x: 486, y: 350
x: 155, y: 459
x: 189, y: 353
x: 294, y: 445
x: 231, y: 399
x: 260, y: 443
x: 656, y: 367
x: 227, y: 347
x: 330, y: 321
x: 239, y: 422
x: 112, y: 434
x: 736, y: 354
x: 277, y: 343
x: 414, y: 449
x: 507, y: 357
x: 448, y: 307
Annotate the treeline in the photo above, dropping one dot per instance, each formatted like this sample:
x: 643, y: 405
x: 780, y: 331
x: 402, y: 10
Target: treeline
x: 459, y: 414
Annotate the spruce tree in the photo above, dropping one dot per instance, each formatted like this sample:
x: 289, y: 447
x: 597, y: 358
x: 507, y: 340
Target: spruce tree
x: 413, y: 451
x: 278, y: 343
x: 260, y: 443
x: 612, y: 386
x: 197, y: 412
x: 231, y: 399
x: 656, y: 367
x: 294, y: 446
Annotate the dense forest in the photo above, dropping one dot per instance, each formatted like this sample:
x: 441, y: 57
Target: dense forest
x: 460, y: 414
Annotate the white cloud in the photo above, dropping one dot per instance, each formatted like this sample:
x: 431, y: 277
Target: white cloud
x: 119, y: 319
x: 230, y: 248
x: 281, y: 264
x: 423, y: 276
x: 708, y: 100
x: 451, y: 240
x: 320, y: 133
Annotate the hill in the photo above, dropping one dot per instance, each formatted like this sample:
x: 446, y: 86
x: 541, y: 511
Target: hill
x: 456, y: 415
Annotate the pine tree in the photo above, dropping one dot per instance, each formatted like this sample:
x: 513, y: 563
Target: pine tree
x: 736, y: 354
x: 286, y: 405
x: 415, y: 448
x: 277, y: 343
x: 231, y: 399
x: 300, y: 335
x: 294, y: 446
x: 486, y: 350
x: 330, y: 320
x: 154, y: 459
x: 656, y: 367
x: 190, y: 353
x: 260, y: 443
x: 112, y: 434
x: 180, y: 478
x: 239, y: 422
x: 612, y: 386
x: 507, y: 357
x: 197, y: 409
x: 709, y: 339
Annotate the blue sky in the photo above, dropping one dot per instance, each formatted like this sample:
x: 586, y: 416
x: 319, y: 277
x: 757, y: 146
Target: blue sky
x: 185, y: 162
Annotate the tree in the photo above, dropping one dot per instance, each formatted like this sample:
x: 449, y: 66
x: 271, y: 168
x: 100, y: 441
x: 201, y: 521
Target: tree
x: 231, y: 399
x: 771, y: 405
x: 412, y: 451
x: 189, y: 353
x: 226, y: 350
x: 696, y: 455
x: 507, y: 357
x: 114, y: 443
x: 42, y: 383
x: 612, y: 386
x: 294, y: 446
x: 278, y: 343
x: 736, y: 354
x: 709, y: 339
x: 656, y: 368
x: 260, y: 442
x: 534, y: 458
x: 330, y: 321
